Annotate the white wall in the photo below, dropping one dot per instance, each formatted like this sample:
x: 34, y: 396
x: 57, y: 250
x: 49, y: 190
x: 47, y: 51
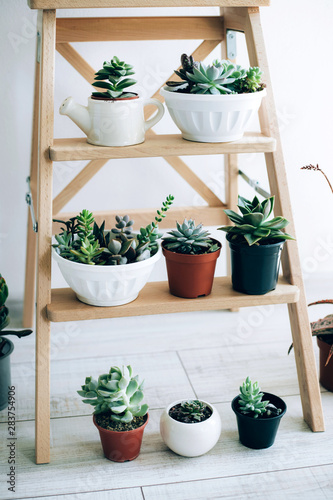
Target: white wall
x: 299, y: 38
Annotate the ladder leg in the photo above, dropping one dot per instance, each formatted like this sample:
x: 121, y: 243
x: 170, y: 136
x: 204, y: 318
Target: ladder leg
x: 42, y: 422
x: 300, y: 325
x: 231, y: 195
x: 30, y: 261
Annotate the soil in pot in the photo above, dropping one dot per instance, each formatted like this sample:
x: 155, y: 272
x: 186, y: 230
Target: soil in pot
x: 120, y: 442
x: 254, y: 269
x: 177, y: 414
x: 99, y: 98
x: 191, y: 276
x: 325, y: 372
x: 7, y: 348
x: 259, y: 433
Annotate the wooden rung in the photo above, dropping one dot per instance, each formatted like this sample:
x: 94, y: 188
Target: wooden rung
x: 155, y: 298
x: 94, y: 4
x: 94, y: 29
x: 159, y: 146
x: 208, y: 216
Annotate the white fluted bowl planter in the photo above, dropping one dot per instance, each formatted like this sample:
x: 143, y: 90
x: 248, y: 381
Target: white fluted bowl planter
x: 106, y: 285
x: 212, y: 118
x: 190, y: 440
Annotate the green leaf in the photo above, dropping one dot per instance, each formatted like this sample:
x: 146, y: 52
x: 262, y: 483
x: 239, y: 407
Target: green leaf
x: 254, y: 219
x: 237, y: 219
x: 142, y: 411
x: 131, y: 388
x: 102, y: 85
x: 117, y: 409
x: 122, y: 384
x: 251, y: 239
x: 136, y: 398
x: 277, y: 223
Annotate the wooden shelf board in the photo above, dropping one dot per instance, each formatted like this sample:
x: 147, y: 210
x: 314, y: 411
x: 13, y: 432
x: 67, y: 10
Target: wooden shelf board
x: 82, y: 4
x: 155, y: 298
x: 159, y: 146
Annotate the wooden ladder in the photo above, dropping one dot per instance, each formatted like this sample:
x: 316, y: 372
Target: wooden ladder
x: 61, y: 304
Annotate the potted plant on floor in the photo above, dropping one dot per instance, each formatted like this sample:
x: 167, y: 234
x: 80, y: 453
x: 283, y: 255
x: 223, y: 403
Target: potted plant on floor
x: 255, y: 243
x: 6, y: 347
x: 323, y: 328
x: 191, y: 256
x: 258, y: 420
x: 114, y: 117
x: 108, y: 268
x: 118, y: 413
x: 190, y: 428
x: 213, y: 103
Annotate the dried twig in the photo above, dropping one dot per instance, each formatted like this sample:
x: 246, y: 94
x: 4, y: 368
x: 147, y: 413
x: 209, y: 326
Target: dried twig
x: 312, y: 167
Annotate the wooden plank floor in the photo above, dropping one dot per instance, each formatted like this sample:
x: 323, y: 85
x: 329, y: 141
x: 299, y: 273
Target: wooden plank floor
x: 196, y: 354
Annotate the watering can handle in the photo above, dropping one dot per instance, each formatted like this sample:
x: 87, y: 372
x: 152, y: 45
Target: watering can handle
x: 22, y: 333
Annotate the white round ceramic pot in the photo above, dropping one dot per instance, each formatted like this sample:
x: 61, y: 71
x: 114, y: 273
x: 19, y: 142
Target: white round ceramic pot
x: 106, y: 285
x: 114, y: 122
x: 190, y: 440
x: 212, y: 118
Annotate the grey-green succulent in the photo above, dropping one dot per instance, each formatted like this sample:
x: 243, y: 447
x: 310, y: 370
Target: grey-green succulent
x: 253, y: 225
x: 117, y: 393
x: 221, y: 77
x: 116, y: 73
x: 250, y: 399
x: 85, y: 242
x: 189, y: 239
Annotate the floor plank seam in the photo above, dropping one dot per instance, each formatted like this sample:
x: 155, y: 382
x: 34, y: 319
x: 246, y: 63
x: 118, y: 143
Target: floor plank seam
x: 187, y: 375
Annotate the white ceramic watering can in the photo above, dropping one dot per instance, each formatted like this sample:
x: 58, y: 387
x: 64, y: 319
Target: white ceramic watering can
x: 114, y: 122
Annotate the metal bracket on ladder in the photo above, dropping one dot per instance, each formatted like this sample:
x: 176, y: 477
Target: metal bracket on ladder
x: 231, y: 44
x: 254, y: 184
x: 28, y: 199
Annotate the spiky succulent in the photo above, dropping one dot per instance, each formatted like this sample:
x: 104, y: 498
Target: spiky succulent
x: 189, y: 239
x: 117, y: 393
x: 250, y: 399
x: 221, y: 77
x: 4, y: 318
x: 85, y: 242
x: 116, y: 73
x: 253, y: 225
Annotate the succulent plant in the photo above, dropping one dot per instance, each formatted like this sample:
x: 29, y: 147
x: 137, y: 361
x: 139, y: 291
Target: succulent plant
x: 253, y: 225
x: 221, y: 77
x: 117, y: 393
x: 116, y: 73
x: 4, y: 318
x: 85, y: 242
x: 193, y: 410
x: 189, y: 239
x: 250, y: 399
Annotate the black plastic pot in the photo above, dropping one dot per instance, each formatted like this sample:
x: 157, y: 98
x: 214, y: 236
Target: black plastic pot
x: 259, y: 433
x: 254, y: 269
x: 5, y: 378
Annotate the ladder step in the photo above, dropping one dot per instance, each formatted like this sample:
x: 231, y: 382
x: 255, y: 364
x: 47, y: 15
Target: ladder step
x: 155, y: 298
x: 159, y: 146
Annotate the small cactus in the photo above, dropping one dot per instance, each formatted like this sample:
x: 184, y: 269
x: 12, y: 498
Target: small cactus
x: 117, y: 393
x: 189, y: 239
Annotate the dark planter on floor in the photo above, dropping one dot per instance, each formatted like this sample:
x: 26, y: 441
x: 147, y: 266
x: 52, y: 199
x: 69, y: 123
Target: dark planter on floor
x: 191, y: 276
x: 259, y: 433
x: 5, y: 378
x: 325, y: 372
x: 121, y: 446
x: 254, y: 269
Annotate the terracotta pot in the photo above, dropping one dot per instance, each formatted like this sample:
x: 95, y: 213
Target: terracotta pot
x: 191, y: 276
x: 121, y: 446
x: 325, y: 372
